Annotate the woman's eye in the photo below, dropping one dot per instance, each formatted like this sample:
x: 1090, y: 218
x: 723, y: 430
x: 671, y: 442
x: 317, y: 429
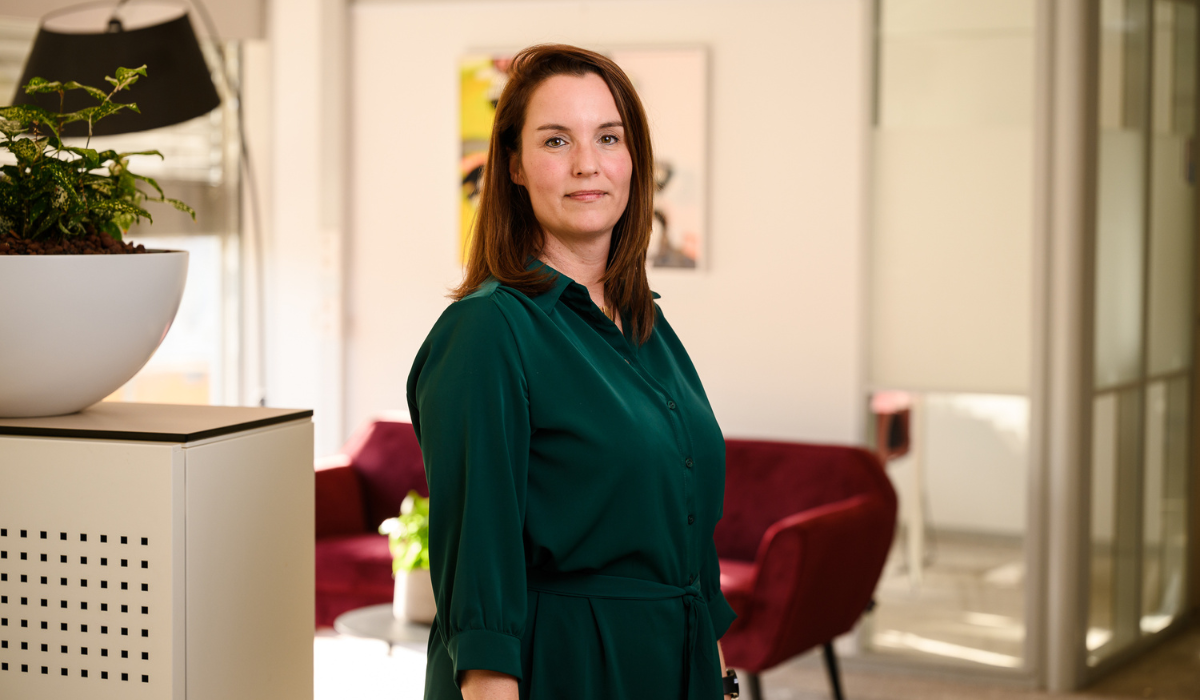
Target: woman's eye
x: 555, y: 141
x: 608, y: 139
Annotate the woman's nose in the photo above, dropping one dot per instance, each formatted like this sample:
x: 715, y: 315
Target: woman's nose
x: 586, y: 161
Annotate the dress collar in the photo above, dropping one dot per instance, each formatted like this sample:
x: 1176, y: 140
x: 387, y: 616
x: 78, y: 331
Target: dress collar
x: 547, y: 299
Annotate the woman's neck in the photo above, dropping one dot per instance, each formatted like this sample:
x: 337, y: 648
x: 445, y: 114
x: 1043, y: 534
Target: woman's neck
x: 583, y: 261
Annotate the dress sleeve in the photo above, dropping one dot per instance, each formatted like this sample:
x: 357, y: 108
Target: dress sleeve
x: 470, y: 409
x: 710, y: 583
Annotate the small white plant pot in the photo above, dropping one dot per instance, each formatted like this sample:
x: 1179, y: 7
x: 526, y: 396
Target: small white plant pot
x: 413, y: 599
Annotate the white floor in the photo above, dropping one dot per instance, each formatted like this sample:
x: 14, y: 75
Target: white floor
x: 359, y: 669
x: 347, y: 668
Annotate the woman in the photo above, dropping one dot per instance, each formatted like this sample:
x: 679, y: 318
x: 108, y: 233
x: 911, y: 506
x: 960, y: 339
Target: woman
x: 575, y: 468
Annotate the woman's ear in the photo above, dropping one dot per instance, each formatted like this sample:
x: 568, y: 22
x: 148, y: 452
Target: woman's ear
x: 514, y: 169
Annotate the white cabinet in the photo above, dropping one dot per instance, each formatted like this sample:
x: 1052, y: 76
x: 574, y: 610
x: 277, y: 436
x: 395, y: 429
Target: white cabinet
x: 157, y: 551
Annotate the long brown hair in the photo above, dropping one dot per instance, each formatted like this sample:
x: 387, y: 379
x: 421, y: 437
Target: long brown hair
x: 506, y: 232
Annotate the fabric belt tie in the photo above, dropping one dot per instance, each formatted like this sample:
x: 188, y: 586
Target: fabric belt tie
x: 702, y: 671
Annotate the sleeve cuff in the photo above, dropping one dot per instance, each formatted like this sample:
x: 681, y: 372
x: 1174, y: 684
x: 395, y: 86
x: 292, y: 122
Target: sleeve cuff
x: 722, y: 615
x: 484, y: 650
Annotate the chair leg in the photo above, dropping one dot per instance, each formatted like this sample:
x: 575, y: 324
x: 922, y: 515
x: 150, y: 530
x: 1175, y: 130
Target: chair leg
x: 753, y: 686
x: 831, y: 665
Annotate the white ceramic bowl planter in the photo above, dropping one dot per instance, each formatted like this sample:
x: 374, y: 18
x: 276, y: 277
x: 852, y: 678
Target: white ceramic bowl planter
x: 74, y: 328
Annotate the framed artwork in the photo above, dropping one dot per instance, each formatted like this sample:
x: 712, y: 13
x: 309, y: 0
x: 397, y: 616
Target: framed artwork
x: 673, y: 86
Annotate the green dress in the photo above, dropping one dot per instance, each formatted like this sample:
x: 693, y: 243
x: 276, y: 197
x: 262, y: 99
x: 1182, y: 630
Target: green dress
x: 575, y: 480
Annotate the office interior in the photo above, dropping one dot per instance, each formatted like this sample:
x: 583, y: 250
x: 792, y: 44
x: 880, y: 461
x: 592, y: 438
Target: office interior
x: 985, y: 206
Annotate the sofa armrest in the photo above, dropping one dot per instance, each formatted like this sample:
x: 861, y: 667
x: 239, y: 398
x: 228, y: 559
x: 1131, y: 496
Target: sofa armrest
x: 331, y: 461
x: 339, y: 498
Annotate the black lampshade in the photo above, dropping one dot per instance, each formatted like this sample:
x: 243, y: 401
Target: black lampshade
x: 178, y: 86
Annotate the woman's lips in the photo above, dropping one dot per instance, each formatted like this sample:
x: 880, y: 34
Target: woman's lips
x: 586, y: 195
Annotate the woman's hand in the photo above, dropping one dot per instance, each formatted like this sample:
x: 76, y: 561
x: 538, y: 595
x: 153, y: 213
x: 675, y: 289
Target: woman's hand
x: 488, y: 685
x: 721, y: 653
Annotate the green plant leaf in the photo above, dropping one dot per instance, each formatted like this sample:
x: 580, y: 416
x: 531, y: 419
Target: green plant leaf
x: 151, y: 182
x: 125, y: 155
x: 89, y: 157
x: 11, y: 127
x: 110, y: 228
x: 37, y: 86
x: 64, y: 181
x: 27, y: 150
x: 118, y: 207
x: 125, y: 77
x: 181, y: 207
x: 32, y: 115
x: 94, y: 92
x: 95, y: 114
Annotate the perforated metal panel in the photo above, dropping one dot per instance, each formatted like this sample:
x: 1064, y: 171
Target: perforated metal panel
x: 86, y: 570
x: 52, y: 583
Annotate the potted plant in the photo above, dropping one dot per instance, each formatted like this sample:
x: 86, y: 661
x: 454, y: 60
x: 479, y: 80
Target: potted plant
x: 83, y: 309
x: 408, y: 540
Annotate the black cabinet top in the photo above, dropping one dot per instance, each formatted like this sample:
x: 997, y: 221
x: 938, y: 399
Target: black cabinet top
x: 151, y: 422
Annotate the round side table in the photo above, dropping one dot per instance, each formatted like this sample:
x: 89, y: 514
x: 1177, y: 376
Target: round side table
x: 377, y: 622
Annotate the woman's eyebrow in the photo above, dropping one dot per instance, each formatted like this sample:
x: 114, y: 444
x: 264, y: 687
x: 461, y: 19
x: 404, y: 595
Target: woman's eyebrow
x: 560, y: 127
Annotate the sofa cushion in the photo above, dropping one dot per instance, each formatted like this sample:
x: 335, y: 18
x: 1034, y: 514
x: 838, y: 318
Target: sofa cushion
x: 339, y: 500
x: 388, y: 460
x: 354, y: 563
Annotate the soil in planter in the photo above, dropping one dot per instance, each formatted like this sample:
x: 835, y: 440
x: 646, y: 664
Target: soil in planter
x: 90, y: 244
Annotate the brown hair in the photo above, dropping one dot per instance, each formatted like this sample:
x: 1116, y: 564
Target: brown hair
x: 506, y: 232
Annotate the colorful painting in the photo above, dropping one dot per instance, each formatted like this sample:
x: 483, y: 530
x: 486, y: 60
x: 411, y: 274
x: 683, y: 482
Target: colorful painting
x: 673, y: 85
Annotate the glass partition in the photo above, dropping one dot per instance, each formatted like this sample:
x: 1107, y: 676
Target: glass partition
x: 951, y: 324
x: 1143, y: 302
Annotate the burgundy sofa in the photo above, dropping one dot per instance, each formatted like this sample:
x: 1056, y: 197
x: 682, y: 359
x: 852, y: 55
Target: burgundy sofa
x: 357, y: 490
x: 804, y: 537
x: 805, y: 533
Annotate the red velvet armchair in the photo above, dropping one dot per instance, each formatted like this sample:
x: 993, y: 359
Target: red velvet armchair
x: 803, y: 540
x: 357, y: 490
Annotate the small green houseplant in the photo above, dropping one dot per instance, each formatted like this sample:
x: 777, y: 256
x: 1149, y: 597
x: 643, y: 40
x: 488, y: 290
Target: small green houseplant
x: 77, y: 325
x: 61, y: 199
x: 408, y: 535
x: 408, y: 540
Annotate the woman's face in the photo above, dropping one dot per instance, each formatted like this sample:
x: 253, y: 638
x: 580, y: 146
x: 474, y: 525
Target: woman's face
x: 573, y: 158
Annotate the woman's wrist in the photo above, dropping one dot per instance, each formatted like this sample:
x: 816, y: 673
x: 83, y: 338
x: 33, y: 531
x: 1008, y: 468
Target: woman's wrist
x: 479, y: 684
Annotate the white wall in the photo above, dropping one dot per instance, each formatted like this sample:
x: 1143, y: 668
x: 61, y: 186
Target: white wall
x: 976, y: 452
x: 774, y: 322
x: 304, y: 194
x: 953, y: 197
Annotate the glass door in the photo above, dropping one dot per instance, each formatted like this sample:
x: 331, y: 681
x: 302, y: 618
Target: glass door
x: 952, y: 279
x: 1143, y: 308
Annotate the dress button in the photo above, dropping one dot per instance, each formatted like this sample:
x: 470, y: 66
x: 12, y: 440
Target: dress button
x: 691, y: 519
x: 671, y: 405
x: 688, y: 462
